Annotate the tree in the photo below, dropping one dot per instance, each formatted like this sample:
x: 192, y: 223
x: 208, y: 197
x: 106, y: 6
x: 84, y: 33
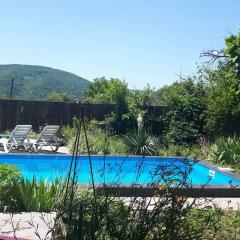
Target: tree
x: 223, y: 101
x: 232, y: 51
x: 113, y: 91
x: 97, y: 91
x: 59, y: 97
x: 231, y: 54
x: 107, y: 91
x: 223, y: 111
x: 183, y: 121
x: 128, y: 103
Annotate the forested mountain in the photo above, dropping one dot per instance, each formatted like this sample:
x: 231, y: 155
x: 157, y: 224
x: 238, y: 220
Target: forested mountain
x: 37, y: 82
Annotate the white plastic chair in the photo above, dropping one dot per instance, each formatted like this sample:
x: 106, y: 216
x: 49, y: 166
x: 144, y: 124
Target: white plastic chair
x: 17, y: 139
x: 47, y: 137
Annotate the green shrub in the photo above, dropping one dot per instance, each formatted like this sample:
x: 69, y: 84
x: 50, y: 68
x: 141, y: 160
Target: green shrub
x: 100, y: 141
x: 141, y: 143
x: 194, y: 151
x: 183, y: 121
x: 40, y: 197
x: 117, y: 145
x: 68, y: 133
x: 182, y: 133
x: 226, y: 151
x: 9, y: 179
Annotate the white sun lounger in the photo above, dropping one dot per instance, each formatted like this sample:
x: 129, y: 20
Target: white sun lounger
x: 47, y: 137
x: 17, y: 139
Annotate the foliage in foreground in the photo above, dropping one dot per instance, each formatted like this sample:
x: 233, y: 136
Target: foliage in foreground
x: 170, y: 217
x: 10, y: 177
x: 164, y: 216
x: 18, y: 194
x: 38, y: 196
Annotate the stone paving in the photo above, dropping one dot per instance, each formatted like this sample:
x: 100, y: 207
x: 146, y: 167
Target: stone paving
x: 201, y: 203
x: 223, y: 203
x: 27, y: 225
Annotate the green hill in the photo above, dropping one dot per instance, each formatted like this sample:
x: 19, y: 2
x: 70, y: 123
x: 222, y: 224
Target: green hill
x: 36, y: 82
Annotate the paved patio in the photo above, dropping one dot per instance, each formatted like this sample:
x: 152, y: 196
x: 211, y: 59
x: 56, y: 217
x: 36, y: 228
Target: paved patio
x: 27, y: 225
x: 201, y: 203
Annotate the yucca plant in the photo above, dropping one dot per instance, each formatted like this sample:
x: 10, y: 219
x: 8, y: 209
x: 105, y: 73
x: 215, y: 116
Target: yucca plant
x: 40, y: 196
x: 226, y: 151
x: 141, y: 142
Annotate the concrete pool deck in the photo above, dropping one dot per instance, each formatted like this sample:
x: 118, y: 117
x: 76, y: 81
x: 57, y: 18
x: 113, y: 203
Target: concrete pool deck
x: 228, y: 204
x: 27, y: 225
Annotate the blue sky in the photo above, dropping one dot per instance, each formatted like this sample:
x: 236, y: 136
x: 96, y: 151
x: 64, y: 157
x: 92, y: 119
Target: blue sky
x: 138, y: 41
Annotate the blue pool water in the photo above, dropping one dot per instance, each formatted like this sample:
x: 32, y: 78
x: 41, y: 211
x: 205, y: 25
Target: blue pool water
x: 120, y: 169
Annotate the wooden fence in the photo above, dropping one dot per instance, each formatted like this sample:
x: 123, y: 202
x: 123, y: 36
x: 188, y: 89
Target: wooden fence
x: 39, y: 113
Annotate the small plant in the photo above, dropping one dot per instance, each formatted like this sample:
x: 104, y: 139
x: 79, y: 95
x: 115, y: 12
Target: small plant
x: 226, y: 151
x: 9, y: 179
x: 40, y: 197
x: 141, y: 143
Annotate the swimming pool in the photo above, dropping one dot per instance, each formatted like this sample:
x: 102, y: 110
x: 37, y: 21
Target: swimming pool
x: 120, y: 169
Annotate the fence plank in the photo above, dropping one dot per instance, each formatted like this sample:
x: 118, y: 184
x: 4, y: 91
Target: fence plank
x: 39, y: 113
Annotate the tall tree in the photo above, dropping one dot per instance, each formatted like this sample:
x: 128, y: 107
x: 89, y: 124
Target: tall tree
x: 186, y: 101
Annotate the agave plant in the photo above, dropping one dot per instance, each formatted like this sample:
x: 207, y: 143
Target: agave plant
x: 141, y: 143
x: 226, y: 151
